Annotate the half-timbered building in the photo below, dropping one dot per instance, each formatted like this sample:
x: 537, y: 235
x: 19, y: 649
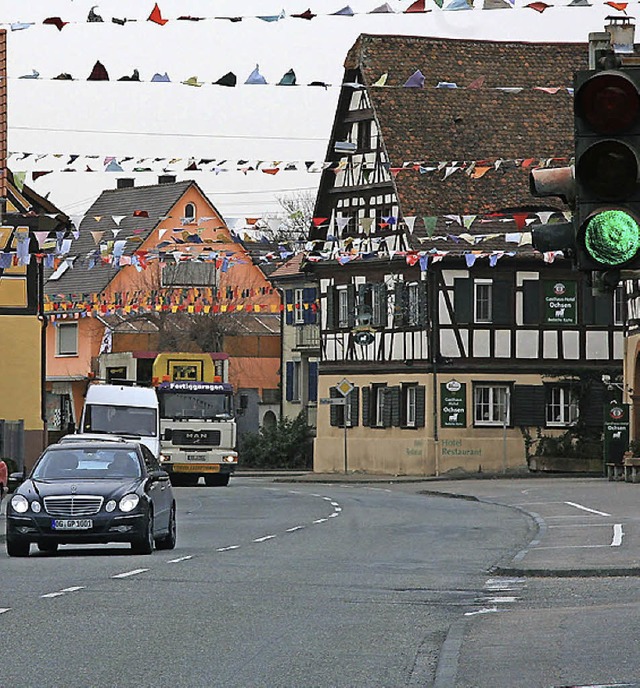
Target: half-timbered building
x: 455, y: 344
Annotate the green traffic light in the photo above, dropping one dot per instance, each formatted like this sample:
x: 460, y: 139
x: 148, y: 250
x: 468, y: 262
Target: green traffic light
x: 612, y: 237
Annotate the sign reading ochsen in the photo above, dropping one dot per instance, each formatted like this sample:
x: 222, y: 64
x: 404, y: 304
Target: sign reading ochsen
x: 453, y: 404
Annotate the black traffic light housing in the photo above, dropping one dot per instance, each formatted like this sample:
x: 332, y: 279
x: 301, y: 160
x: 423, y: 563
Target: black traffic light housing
x: 607, y: 169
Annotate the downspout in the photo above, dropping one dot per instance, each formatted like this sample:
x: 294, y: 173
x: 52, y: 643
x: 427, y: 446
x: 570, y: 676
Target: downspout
x: 433, y: 300
x: 44, y: 321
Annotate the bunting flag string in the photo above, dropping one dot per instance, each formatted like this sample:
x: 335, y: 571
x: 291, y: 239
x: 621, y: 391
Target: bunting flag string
x: 99, y: 73
x: 23, y: 163
x: 159, y: 18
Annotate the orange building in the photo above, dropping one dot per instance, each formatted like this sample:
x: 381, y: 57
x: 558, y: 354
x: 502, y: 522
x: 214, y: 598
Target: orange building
x: 151, y: 269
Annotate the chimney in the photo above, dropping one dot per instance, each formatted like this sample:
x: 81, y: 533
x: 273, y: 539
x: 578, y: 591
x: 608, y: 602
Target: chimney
x: 125, y: 183
x: 167, y: 179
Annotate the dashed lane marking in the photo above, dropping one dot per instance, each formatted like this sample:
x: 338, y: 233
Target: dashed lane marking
x: 127, y: 574
x: 4, y: 610
x: 227, y: 549
x: 51, y: 595
x: 179, y: 559
x: 265, y: 538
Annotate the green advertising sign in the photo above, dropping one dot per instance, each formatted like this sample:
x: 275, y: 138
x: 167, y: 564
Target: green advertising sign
x: 616, y: 432
x: 453, y: 404
x: 560, y: 302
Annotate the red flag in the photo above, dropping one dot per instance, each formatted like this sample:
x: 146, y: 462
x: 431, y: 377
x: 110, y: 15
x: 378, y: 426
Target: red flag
x: 156, y: 17
x: 538, y: 6
x: 56, y: 21
x: 140, y: 213
x: 620, y: 6
x: 417, y: 6
x: 317, y: 221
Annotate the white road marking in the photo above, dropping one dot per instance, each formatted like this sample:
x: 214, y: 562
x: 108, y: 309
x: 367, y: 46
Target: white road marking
x: 319, y: 520
x: 584, y: 525
x: 586, y: 508
x: 74, y: 588
x: 617, y: 535
x: 482, y: 611
x: 502, y: 600
x: 3, y: 610
x: 333, y: 515
x: 179, y: 559
x: 338, y: 509
x: 291, y: 530
x: 266, y: 537
x: 135, y: 572
x: 503, y: 583
x: 226, y: 549
x: 335, y: 504
x: 52, y: 594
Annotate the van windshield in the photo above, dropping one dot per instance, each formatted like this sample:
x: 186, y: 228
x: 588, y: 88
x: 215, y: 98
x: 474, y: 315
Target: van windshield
x: 120, y: 420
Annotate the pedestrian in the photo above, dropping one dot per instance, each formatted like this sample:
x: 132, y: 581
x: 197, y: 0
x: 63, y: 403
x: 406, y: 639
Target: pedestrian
x: 4, y: 477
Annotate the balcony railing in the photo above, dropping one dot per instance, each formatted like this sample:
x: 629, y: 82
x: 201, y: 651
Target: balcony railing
x: 308, y: 337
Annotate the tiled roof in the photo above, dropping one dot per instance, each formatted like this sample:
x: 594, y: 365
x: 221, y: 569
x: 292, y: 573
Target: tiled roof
x: 435, y: 125
x: 156, y: 200
x: 289, y: 269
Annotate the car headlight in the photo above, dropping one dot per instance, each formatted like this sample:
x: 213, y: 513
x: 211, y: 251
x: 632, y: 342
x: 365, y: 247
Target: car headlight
x: 35, y: 507
x: 110, y: 505
x: 129, y: 502
x: 19, y: 504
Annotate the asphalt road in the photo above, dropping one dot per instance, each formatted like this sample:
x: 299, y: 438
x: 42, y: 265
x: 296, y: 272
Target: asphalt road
x: 270, y: 585
x: 512, y: 583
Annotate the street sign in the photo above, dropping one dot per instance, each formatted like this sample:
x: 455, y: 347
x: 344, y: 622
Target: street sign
x: 344, y: 386
x: 334, y: 402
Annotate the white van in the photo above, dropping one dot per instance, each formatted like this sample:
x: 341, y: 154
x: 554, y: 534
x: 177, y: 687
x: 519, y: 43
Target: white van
x: 129, y: 412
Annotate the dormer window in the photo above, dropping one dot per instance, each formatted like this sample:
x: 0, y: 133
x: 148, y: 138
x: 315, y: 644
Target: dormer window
x: 189, y: 213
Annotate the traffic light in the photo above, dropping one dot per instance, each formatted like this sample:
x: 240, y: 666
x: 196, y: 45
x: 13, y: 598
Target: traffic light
x: 607, y: 170
x: 555, y: 236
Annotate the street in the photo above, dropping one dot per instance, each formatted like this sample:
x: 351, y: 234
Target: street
x: 343, y: 585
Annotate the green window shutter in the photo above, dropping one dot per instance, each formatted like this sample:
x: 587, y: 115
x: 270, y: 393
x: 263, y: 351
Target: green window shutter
x: 392, y: 399
x: 420, y: 406
x: 462, y: 304
x: 423, y: 315
x: 592, y: 406
x: 587, y: 309
x: 334, y: 415
x: 401, y: 306
x: 353, y: 399
x: 363, y: 309
x: 528, y: 405
x: 531, y: 302
x: 366, y: 399
x: 351, y: 302
x: 502, y: 298
x: 331, y: 308
x: 386, y: 406
x: 380, y: 317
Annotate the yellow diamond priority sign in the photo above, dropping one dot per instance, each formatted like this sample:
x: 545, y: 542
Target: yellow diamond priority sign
x: 344, y: 386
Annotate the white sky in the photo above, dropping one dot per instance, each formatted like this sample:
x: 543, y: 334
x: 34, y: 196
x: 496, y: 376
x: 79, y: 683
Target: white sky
x: 247, y: 122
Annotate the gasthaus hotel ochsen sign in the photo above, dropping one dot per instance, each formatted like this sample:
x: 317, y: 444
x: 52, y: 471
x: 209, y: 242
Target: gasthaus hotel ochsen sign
x: 453, y: 404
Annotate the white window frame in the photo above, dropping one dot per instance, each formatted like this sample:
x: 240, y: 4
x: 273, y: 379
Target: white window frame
x: 619, y: 306
x: 62, y: 343
x: 296, y: 379
x: 188, y: 218
x: 379, y: 405
x: 561, y: 406
x: 298, y: 307
x: 483, y: 301
x: 343, y: 308
x: 491, y: 403
x: 410, y: 405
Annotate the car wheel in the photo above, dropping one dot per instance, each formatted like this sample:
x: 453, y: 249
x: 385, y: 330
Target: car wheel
x: 216, y: 480
x: 169, y: 540
x: 48, y: 546
x: 18, y: 548
x: 145, y: 544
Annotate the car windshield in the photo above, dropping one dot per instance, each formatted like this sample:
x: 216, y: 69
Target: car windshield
x: 78, y: 464
x: 120, y: 420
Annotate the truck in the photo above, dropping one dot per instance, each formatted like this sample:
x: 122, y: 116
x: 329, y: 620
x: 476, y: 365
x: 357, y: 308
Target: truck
x: 127, y: 411
x: 198, y: 431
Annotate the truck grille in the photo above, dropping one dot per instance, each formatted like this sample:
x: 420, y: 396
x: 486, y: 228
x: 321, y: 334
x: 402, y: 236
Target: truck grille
x: 76, y: 505
x: 193, y: 438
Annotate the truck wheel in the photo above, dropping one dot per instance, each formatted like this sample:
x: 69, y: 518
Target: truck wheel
x: 216, y: 480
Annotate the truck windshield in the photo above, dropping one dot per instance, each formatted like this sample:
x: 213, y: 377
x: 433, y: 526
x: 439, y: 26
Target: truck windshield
x: 120, y: 420
x: 195, y: 405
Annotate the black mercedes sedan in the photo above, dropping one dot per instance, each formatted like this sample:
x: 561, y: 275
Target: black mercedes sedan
x: 93, y: 492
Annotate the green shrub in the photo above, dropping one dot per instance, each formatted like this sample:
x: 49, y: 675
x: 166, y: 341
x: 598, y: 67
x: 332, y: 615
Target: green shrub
x: 286, y: 445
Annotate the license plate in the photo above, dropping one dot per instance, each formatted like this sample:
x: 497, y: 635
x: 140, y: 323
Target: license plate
x: 194, y: 457
x: 196, y: 468
x: 72, y: 524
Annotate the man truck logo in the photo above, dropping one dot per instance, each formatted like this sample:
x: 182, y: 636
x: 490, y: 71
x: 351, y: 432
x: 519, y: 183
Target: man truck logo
x: 195, y: 436
x: 13, y: 278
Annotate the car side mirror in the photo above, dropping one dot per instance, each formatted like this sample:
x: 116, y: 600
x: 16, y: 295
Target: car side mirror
x: 15, y: 479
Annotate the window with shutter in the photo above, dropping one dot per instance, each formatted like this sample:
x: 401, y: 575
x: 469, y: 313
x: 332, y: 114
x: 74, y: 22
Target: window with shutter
x: 334, y: 417
x: 366, y: 403
x: 309, y: 296
x: 331, y: 308
x: 531, y: 302
x: 462, y: 304
x: 353, y: 400
x: 421, y: 410
x: 392, y: 402
x: 289, y: 380
x: 408, y: 408
x: 502, y: 302
x: 288, y: 306
x: 351, y: 305
x: 528, y: 404
x: 313, y: 381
